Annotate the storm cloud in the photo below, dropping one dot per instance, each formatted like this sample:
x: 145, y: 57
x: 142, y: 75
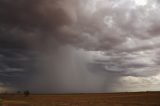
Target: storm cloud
x: 80, y: 46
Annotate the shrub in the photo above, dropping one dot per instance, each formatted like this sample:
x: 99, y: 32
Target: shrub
x: 26, y: 93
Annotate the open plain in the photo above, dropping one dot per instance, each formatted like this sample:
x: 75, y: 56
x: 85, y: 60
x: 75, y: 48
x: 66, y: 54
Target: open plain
x: 108, y: 99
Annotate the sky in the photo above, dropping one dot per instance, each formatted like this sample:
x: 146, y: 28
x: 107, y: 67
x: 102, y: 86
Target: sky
x: 79, y: 46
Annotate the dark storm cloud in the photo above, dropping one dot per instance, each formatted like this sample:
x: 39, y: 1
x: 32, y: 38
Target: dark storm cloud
x: 16, y: 64
x: 30, y: 15
x: 82, y: 46
x: 29, y: 23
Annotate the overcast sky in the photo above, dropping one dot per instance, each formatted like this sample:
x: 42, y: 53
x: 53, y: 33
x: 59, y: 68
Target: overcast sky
x: 82, y: 46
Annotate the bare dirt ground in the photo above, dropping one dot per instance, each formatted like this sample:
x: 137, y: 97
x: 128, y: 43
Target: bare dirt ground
x: 112, y: 99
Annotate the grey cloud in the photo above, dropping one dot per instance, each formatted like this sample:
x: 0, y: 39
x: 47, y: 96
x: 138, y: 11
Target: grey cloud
x: 116, y: 38
x: 77, y: 27
x: 15, y: 66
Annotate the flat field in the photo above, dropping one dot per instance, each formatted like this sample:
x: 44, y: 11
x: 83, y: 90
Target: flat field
x: 110, y: 99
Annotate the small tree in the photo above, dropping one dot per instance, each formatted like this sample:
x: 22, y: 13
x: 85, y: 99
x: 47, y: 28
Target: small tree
x: 26, y: 93
x: 18, y: 92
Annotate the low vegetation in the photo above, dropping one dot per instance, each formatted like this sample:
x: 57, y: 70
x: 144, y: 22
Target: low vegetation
x: 0, y: 102
x: 117, y: 99
x: 15, y: 103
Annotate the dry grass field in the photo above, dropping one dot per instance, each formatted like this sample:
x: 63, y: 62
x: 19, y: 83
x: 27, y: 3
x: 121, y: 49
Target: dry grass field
x: 115, y: 99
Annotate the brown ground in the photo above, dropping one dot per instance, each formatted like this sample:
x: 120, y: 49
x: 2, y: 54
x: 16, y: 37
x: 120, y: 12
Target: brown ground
x: 117, y: 99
